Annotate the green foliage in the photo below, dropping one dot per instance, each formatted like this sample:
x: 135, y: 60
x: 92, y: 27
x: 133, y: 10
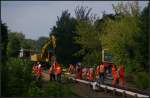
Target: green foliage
x: 125, y: 34
x: 58, y: 90
x: 125, y: 38
x: 16, y: 77
x: 141, y: 80
x: 28, y: 44
x: 64, y: 31
x: 92, y: 59
x: 82, y: 13
x: 130, y: 8
x: 143, y: 38
x: 14, y: 43
x: 119, y: 36
x: 17, y: 80
x: 3, y: 48
x: 4, y: 41
x: 13, y: 47
x: 33, y: 90
x: 39, y: 43
x: 89, y: 40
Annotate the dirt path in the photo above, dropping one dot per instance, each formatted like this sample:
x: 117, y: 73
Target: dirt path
x: 45, y: 76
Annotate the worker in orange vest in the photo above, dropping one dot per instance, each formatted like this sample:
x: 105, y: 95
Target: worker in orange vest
x: 121, y: 75
x: 97, y: 73
x: 34, y: 69
x: 115, y: 75
x: 78, y: 71
x: 52, y: 71
x: 58, y: 72
x: 84, y: 72
x: 101, y: 70
x: 71, y: 69
x: 90, y: 74
x: 39, y: 71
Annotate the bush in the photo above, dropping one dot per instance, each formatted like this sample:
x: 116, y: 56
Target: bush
x: 17, y: 80
x: 16, y: 77
x: 141, y: 80
x: 33, y: 90
x: 57, y: 89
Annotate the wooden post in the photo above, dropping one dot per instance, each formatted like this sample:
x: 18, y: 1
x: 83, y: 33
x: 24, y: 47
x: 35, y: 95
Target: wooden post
x: 105, y: 89
x: 136, y: 96
x: 114, y: 91
x: 123, y: 94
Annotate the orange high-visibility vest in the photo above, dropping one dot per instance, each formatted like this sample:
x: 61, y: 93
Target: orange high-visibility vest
x: 35, y: 69
x: 50, y: 70
x: 84, y: 71
x: 101, y: 68
x: 39, y: 71
x: 70, y: 69
x: 121, y: 71
x: 54, y: 66
x: 58, y: 70
x: 114, y: 73
x: 79, y: 74
x: 97, y: 70
x: 90, y: 75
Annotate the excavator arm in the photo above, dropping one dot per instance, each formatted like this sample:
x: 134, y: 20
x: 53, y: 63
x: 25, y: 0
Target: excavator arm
x: 52, y: 42
x: 44, y: 48
x: 44, y: 56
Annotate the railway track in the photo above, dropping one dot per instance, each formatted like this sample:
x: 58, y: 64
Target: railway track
x: 125, y: 92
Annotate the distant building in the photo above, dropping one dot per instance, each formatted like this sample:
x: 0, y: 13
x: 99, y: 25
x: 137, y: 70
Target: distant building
x: 106, y: 56
x: 25, y: 53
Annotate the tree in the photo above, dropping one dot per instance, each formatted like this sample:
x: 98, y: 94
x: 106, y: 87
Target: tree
x: 119, y: 36
x: 4, y: 41
x: 84, y: 14
x: 88, y: 37
x: 90, y: 43
x: 14, y: 43
x: 39, y: 43
x: 144, y: 36
x: 3, y: 50
x: 28, y: 44
x: 126, y: 40
x: 131, y: 9
x: 64, y: 31
x: 17, y: 78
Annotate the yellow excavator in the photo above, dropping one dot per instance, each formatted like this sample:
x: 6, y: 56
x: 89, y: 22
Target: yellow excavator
x: 45, y: 55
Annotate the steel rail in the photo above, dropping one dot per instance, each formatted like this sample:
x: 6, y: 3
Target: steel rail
x: 95, y: 84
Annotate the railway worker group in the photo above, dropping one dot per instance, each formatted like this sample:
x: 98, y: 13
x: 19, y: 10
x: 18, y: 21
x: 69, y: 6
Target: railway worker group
x: 54, y: 71
x: 98, y: 73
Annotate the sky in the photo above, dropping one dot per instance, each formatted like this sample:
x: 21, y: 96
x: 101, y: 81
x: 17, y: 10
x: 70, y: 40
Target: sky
x: 35, y: 18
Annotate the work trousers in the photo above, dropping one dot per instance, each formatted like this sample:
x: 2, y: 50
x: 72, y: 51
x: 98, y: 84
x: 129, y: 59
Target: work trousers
x: 101, y: 77
x: 52, y: 76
